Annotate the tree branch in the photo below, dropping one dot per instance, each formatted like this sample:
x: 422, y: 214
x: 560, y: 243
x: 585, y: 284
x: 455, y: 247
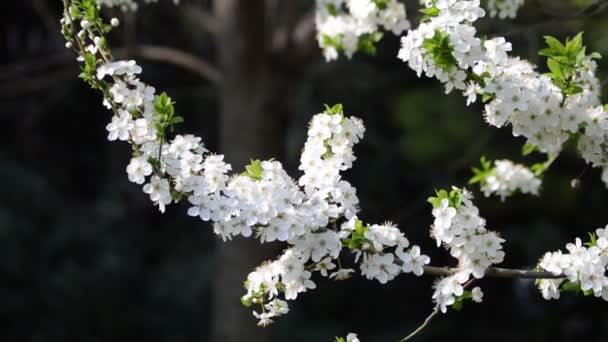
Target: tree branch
x: 17, y: 80
x: 206, y: 20
x: 495, y: 272
x: 173, y: 56
x: 490, y: 272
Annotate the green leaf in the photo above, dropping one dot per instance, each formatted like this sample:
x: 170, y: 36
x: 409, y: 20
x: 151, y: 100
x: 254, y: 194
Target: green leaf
x: 176, y: 120
x: 440, y: 49
x: 336, y: 109
x: 592, y: 240
x: 569, y: 286
x: 367, y: 42
x: 335, y: 41
x: 480, y: 174
x: 331, y: 8
x: 429, y: 13
x: 546, y: 52
x: 528, y: 149
x: 575, y: 45
x: 455, y: 198
x: 439, y: 196
x: 162, y: 103
x: 486, y: 97
x: 381, y: 4
x: 254, y: 170
x: 555, y: 45
x: 176, y: 196
x: 565, y: 60
x: 160, y: 129
x: 246, y: 301
x: 457, y: 306
x: 555, y: 68
x: 358, y: 236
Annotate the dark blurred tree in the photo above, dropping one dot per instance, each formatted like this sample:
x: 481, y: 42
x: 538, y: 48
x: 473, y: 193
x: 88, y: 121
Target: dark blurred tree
x: 256, y: 42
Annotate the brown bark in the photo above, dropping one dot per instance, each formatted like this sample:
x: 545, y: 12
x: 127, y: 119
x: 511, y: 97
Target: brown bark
x: 252, y: 126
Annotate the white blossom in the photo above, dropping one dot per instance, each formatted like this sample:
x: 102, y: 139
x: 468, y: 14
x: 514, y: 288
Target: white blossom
x: 343, y: 24
x: 508, y: 178
x: 583, y: 265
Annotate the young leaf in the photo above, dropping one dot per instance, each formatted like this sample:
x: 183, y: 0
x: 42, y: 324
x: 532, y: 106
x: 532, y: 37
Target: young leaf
x: 528, y: 149
x: 336, y: 109
x: 254, y: 170
x: 555, y: 68
x: 331, y: 8
x: 555, y: 45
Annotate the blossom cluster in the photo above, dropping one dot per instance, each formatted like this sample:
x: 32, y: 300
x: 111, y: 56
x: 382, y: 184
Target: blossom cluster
x: 383, y: 250
x: 503, y: 9
x: 584, y: 268
x: 506, y: 178
x: 314, y: 215
x: 322, y: 200
x: 349, y: 26
x: 545, y: 109
x: 460, y: 229
x: 263, y: 201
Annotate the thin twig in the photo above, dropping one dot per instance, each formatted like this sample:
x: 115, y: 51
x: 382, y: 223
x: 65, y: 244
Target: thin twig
x: 495, y: 272
x: 423, y: 325
x: 490, y: 272
x: 432, y: 315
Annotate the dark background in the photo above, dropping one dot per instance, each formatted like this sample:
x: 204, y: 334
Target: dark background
x: 84, y: 256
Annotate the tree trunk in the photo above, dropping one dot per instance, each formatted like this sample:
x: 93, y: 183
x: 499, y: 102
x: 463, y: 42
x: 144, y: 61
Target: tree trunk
x: 252, y: 126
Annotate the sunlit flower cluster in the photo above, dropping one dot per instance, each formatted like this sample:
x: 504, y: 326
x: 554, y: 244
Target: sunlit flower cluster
x: 348, y: 26
x: 313, y: 215
x: 545, y: 109
x: 584, y: 267
x: 263, y: 201
x: 316, y: 215
x: 308, y: 221
x: 508, y: 178
x: 460, y: 229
